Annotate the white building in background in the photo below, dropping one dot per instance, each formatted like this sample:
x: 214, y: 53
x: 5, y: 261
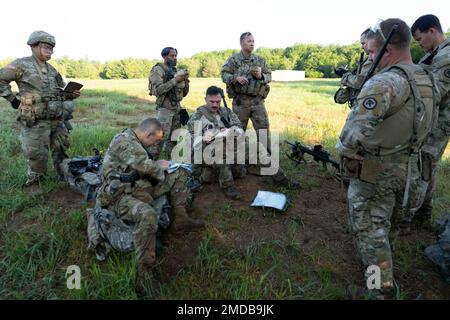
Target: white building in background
x: 288, y: 75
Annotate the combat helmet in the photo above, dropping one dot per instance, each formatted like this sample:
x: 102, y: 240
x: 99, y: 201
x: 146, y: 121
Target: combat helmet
x: 41, y: 36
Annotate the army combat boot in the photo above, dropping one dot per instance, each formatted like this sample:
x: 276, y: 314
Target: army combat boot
x: 280, y: 179
x: 146, y: 284
x: 232, y: 193
x: 182, y: 222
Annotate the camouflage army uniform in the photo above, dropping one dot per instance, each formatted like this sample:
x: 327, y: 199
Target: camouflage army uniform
x: 248, y: 100
x: 41, y: 113
x: 130, y: 201
x: 390, y: 120
x: 350, y: 83
x: 169, y: 94
x: 210, y: 121
x: 437, y: 142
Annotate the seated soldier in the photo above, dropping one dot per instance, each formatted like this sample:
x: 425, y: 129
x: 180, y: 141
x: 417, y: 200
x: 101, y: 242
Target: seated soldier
x: 130, y: 182
x: 217, y: 123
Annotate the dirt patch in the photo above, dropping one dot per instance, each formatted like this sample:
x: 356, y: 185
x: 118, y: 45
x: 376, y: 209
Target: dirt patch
x: 66, y: 199
x: 180, y: 252
x: 322, y: 232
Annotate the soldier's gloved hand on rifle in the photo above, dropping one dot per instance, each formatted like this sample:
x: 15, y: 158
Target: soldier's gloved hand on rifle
x: 340, y: 71
x: 15, y: 103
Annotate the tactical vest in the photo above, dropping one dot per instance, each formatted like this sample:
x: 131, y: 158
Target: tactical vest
x: 254, y: 87
x: 175, y: 95
x: 44, y: 105
x: 211, y: 118
x: 407, y: 125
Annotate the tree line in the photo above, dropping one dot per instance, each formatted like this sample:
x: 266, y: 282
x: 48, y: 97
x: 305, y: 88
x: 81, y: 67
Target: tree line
x: 318, y: 61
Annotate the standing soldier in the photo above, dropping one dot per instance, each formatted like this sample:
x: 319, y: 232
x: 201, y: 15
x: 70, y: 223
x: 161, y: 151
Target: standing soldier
x: 380, y: 145
x: 427, y: 31
x: 42, y: 107
x: 247, y: 78
x: 351, y: 81
x: 169, y: 86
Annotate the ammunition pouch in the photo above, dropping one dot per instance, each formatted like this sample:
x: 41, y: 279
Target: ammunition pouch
x: 33, y: 108
x: 351, y: 167
x: 370, y: 170
x: 253, y: 88
x: 26, y: 115
x: 367, y: 170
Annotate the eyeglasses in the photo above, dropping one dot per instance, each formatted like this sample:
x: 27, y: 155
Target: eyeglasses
x: 377, y: 29
x: 46, y: 47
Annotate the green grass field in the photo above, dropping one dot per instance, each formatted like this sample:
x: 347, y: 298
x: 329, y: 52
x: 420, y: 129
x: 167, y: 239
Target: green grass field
x: 41, y: 237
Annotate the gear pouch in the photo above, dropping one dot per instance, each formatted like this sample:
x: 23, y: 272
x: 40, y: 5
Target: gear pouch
x: 370, y: 171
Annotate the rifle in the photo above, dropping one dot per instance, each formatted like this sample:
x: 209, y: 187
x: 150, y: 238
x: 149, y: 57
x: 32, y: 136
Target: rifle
x: 226, y: 122
x: 319, y: 154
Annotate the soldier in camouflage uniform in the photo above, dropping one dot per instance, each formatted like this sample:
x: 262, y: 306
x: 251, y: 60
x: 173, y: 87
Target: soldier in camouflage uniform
x: 380, y: 146
x: 351, y: 81
x: 169, y: 86
x: 214, y: 120
x: 42, y: 107
x: 427, y: 31
x: 247, y: 78
x: 130, y: 182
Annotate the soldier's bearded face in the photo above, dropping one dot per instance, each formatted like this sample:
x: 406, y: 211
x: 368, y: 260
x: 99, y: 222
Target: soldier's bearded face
x: 424, y: 39
x: 171, y: 58
x: 248, y: 44
x: 213, y: 102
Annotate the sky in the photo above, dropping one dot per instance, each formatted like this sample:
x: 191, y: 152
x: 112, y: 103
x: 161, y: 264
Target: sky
x: 114, y: 29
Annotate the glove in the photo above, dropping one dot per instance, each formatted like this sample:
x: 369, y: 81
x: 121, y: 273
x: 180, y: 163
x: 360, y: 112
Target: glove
x: 184, y: 116
x: 15, y: 103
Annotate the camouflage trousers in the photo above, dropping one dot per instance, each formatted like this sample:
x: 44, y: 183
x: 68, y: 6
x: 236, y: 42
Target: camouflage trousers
x: 224, y: 173
x: 36, y: 142
x: 135, y: 208
x: 431, y: 155
x: 252, y: 108
x: 170, y: 120
x: 374, y: 208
